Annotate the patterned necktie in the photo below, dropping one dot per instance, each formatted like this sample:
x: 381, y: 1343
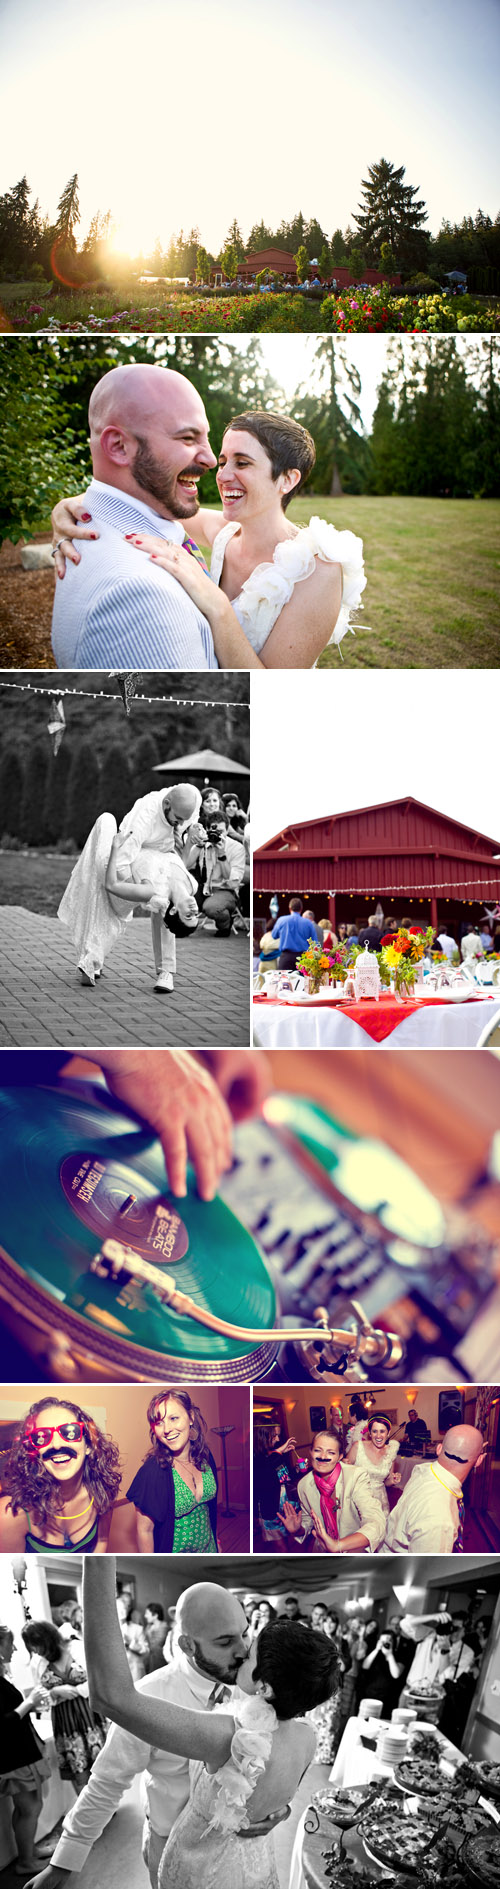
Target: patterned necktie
x: 458, y: 1545
x: 194, y: 549
x: 218, y: 1696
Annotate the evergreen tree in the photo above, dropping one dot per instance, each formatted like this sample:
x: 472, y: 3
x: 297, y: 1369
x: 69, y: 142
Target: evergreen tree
x: 116, y: 785
x: 21, y: 231
x: 84, y: 798
x: 260, y: 238
x: 333, y: 417
x: 146, y: 757
x: 392, y: 213
x: 68, y: 214
x: 11, y: 793
x: 32, y: 823
x: 487, y: 419
x: 324, y: 262
x: 338, y: 249
x: 57, y: 791
x: 315, y: 238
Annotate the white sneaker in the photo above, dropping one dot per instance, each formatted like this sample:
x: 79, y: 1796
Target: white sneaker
x: 164, y: 981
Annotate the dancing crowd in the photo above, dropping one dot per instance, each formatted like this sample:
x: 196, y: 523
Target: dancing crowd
x: 333, y: 1498
x: 285, y: 1676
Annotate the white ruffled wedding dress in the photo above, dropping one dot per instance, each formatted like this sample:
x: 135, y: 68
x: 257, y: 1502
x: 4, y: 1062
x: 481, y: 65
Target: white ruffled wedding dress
x: 205, y: 1846
x: 95, y: 918
x: 270, y: 586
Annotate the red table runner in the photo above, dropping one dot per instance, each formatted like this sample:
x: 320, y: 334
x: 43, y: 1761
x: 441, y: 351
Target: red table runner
x: 378, y: 1019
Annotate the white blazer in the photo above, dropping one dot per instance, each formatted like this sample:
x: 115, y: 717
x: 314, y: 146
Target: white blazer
x: 360, y: 1509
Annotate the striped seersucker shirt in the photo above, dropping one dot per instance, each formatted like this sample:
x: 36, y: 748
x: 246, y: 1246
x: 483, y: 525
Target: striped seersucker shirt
x: 116, y: 608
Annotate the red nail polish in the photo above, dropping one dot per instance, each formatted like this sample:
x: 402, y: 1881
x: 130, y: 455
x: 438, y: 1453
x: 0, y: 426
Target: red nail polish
x: 154, y: 554
x: 86, y: 517
x: 60, y: 573
x: 128, y: 536
x: 93, y: 534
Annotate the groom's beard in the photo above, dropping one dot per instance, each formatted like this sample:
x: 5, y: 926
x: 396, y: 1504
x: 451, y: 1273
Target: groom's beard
x: 154, y: 479
x: 226, y: 1674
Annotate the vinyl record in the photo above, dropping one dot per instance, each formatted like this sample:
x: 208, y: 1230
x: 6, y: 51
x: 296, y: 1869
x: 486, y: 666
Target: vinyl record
x: 76, y: 1169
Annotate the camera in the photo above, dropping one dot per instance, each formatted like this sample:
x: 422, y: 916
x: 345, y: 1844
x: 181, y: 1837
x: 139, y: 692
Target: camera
x: 216, y: 830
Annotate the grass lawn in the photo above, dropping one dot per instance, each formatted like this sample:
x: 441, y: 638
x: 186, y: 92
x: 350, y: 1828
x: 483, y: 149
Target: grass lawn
x: 432, y: 598
x: 431, y: 602
x: 34, y: 879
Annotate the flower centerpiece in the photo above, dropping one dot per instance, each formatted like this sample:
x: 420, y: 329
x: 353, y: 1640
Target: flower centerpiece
x: 320, y: 966
x: 401, y: 955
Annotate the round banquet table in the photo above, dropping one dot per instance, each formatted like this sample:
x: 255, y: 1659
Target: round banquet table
x: 371, y: 1025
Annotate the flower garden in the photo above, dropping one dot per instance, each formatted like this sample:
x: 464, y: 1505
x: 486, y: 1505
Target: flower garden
x: 373, y: 311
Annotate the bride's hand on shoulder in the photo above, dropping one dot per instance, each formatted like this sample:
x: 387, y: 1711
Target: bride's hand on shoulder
x: 70, y: 520
x: 180, y: 564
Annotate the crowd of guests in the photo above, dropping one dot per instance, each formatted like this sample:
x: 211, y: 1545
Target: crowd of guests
x: 333, y: 1498
x: 283, y: 941
x: 61, y: 1478
x: 219, y: 859
x: 379, y: 1659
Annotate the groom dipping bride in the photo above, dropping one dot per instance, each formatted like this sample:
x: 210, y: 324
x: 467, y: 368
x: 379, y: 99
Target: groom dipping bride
x: 138, y: 591
x: 142, y: 864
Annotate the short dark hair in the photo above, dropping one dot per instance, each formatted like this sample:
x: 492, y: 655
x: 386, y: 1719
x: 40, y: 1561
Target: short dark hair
x: 301, y: 1668
x: 41, y: 1636
x: 154, y: 1607
x: 287, y: 445
x: 379, y: 1416
x: 295, y: 905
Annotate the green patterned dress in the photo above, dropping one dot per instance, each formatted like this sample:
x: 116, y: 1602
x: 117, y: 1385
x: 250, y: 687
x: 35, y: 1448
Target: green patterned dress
x: 193, y: 1531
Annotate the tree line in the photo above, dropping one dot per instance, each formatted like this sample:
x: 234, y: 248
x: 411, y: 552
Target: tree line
x: 388, y: 231
x: 435, y: 429
x: 105, y: 761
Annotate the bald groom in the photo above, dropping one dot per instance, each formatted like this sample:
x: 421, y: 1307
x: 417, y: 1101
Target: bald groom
x: 115, y: 608
x: 428, y: 1519
x: 209, y: 1648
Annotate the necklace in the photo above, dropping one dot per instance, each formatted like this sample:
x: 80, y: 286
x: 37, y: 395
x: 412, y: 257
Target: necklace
x: 62, y: 1515
x: 188, y: 1473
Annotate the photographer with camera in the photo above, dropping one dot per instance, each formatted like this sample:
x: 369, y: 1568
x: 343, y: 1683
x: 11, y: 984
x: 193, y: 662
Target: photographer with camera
x: 218, y: 863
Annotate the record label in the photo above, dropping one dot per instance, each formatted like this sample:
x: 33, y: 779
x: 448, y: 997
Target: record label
x: 113, y: 1199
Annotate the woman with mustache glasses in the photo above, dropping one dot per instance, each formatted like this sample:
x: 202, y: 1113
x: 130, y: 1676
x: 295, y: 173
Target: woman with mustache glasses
x: 61, y: 1477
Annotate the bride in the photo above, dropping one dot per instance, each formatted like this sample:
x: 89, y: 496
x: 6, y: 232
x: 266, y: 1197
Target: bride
x: 275, y: 589
x: 248, y: 1760
x: 142, y: 864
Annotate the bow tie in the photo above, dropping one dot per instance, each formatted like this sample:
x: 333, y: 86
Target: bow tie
x: 218, y: 1696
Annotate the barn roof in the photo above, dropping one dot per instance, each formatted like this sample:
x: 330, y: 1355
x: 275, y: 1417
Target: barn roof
x: 381, y: 806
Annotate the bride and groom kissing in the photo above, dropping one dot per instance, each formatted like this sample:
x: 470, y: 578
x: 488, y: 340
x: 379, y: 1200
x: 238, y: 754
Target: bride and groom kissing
x: 136, y: 589
x: 234, y: 1715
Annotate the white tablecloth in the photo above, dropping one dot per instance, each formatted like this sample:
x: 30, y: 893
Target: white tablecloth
x: 436, y: 1026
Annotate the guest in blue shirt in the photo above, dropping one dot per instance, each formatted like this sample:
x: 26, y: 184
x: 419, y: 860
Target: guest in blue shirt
x: 293, y: 931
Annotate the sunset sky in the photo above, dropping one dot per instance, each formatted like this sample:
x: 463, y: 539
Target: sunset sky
x: 278, y: 106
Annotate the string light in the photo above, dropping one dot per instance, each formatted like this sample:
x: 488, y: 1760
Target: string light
x: 355, y: 892
x: 98, y: 695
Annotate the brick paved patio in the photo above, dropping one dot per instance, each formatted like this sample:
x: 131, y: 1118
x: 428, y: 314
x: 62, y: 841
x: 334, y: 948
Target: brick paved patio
x: 42, y: 1001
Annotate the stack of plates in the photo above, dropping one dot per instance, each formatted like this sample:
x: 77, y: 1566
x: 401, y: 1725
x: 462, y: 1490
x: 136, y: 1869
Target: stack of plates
x: 370, y: 1708
x: 391, y: 1745
x: 403, y: 1716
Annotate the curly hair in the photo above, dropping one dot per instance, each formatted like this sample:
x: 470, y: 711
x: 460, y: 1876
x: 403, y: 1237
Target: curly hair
x: 30, y: 1485
x: 198, y: 1444
x: 300, y: 1665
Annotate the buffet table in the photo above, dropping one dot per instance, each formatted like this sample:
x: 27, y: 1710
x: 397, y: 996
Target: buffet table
x: 317, y: 1833
x: 434, y: 1022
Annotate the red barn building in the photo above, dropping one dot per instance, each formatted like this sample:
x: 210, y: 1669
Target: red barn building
x: 280, y: 262
x: 416, y: 861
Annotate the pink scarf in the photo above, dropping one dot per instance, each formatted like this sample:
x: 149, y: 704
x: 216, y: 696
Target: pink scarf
x: 326, y: 1486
